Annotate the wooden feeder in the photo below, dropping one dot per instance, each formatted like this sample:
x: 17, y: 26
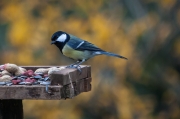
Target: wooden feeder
x: 66, y: 83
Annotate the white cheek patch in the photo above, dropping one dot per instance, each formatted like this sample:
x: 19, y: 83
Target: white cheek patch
x: 62, y: 38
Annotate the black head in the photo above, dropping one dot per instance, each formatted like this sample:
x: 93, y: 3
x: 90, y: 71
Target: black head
x: 60, y: 38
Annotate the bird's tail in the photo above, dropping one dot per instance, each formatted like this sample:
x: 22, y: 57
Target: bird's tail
x: 112, y: 54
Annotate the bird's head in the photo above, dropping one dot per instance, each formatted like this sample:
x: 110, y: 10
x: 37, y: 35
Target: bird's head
x: 59, y: 37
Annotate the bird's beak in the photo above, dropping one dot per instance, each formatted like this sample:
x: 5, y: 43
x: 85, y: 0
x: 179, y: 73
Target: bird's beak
x: 52, y: 42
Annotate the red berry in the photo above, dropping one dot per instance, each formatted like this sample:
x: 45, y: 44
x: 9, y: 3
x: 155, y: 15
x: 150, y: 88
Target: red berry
x: 33, y: 80
x: 25, y: 73
x: 45, y: 75
x: 18, y: 80
x: 14, y: 82
x: 28, y: 80
x: 30, y: 71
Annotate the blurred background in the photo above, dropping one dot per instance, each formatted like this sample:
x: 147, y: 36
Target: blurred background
x: 147, y: 32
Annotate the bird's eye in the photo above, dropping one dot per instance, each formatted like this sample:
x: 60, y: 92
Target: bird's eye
x: 62, y: 38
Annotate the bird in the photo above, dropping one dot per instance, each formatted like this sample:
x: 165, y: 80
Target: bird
x: 77, y: 48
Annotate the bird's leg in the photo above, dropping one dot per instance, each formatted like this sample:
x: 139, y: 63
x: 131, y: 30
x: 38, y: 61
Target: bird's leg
x: 72, y: 65
x: 76, y: 65
x: 78, y: 68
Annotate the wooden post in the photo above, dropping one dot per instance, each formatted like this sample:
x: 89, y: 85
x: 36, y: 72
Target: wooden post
x: 11, y: 109
x: 67, y: 83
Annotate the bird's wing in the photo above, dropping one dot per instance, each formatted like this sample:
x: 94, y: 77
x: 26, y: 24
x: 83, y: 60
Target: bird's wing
x: 79, y: 44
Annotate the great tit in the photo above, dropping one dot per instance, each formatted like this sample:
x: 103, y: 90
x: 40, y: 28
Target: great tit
x: 77, y: 49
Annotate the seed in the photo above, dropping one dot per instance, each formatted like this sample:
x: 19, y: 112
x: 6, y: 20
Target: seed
x: 5, y: 72
x: 42, y: 70
x: 5, y: 78
x: 14, y: 82
x: 46, y: 78
x: 37, y: 77
x: 23, y: 77
x: 9, y: 84
x: 45, y: 83
x: 28, y: 80
x: 12, y: 68
x: 2, y: 83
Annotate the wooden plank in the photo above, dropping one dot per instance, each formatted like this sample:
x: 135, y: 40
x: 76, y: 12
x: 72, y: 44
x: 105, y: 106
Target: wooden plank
x: 35, y: 67
x: 29, y: 92
x: 68, y: 75
x: 39, y: 91
x: 71, y: 90
x: 88, y: 71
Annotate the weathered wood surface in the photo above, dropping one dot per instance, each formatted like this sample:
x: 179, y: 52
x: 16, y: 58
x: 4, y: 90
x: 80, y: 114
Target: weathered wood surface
x: 66, y: 76
x: 65, y: 84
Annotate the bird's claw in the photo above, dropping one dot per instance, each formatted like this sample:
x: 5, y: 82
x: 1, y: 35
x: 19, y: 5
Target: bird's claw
x: 70, y: 66
x: 75, y: 66
x: 79, y: 68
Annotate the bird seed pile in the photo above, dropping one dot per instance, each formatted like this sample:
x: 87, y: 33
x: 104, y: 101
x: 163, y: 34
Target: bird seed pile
x: 11, y: 74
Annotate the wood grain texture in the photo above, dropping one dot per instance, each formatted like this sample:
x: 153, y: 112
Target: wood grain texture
x: 69, y: 75
x: 37, y: 92
x: 29, y: 92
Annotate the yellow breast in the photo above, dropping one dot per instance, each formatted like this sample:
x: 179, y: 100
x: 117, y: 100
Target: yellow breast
x: 75, y: 54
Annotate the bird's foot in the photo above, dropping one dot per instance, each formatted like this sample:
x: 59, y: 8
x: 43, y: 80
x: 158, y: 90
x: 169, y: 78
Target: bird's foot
x: 75, y: 66
x: 70, y: 66
x: 78, y: 68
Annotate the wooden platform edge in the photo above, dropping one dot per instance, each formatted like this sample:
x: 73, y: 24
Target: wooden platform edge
x: 68, y: 75
x: 68, y: 83
x: 37, y: 92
